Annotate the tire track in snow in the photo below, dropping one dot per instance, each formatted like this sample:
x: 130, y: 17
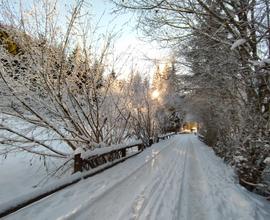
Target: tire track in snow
x: 150, y: 209
x: 155, y: 192
x: 167, y: 200
x: 199, y: 199
x: 181, y: 205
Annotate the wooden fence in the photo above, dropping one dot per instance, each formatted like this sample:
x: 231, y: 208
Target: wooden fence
x: 98, y: 159
x: 201, y: 138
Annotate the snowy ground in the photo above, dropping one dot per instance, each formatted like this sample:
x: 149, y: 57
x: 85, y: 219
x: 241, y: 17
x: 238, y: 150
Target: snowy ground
x: 180, y: 178
x: 21, y: 173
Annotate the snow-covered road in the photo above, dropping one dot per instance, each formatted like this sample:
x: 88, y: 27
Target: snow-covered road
x: 179, y: 178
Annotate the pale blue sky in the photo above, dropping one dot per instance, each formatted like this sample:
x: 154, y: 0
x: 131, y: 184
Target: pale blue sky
x: 104, y: 9
x: 128, y: 45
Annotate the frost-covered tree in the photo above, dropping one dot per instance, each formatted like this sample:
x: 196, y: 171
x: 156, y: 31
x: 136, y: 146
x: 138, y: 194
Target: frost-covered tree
x: 141, y: 108
x: 73, y: 102
x: 228, y: 44
x: 169, y: 113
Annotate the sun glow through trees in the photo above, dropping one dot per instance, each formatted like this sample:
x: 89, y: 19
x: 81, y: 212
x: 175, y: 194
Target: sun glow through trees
x: 155, y: 94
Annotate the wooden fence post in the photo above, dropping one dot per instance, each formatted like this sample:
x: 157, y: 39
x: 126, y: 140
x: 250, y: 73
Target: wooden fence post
x: 124, y: 152
x: 77, y: 163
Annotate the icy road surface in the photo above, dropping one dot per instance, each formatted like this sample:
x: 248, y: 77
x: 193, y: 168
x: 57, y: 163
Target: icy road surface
x: 179, y: 178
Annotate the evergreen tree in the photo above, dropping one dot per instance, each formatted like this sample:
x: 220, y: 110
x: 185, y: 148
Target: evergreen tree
x: 168, y: 100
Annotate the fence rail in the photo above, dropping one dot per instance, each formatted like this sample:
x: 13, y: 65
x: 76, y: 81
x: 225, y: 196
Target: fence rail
x: 81, y: 163
x: 201, y: 138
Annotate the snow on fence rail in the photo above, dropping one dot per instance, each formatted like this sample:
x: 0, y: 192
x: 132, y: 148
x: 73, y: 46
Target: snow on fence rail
x: 93, y: 158
x: 38, y: 194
